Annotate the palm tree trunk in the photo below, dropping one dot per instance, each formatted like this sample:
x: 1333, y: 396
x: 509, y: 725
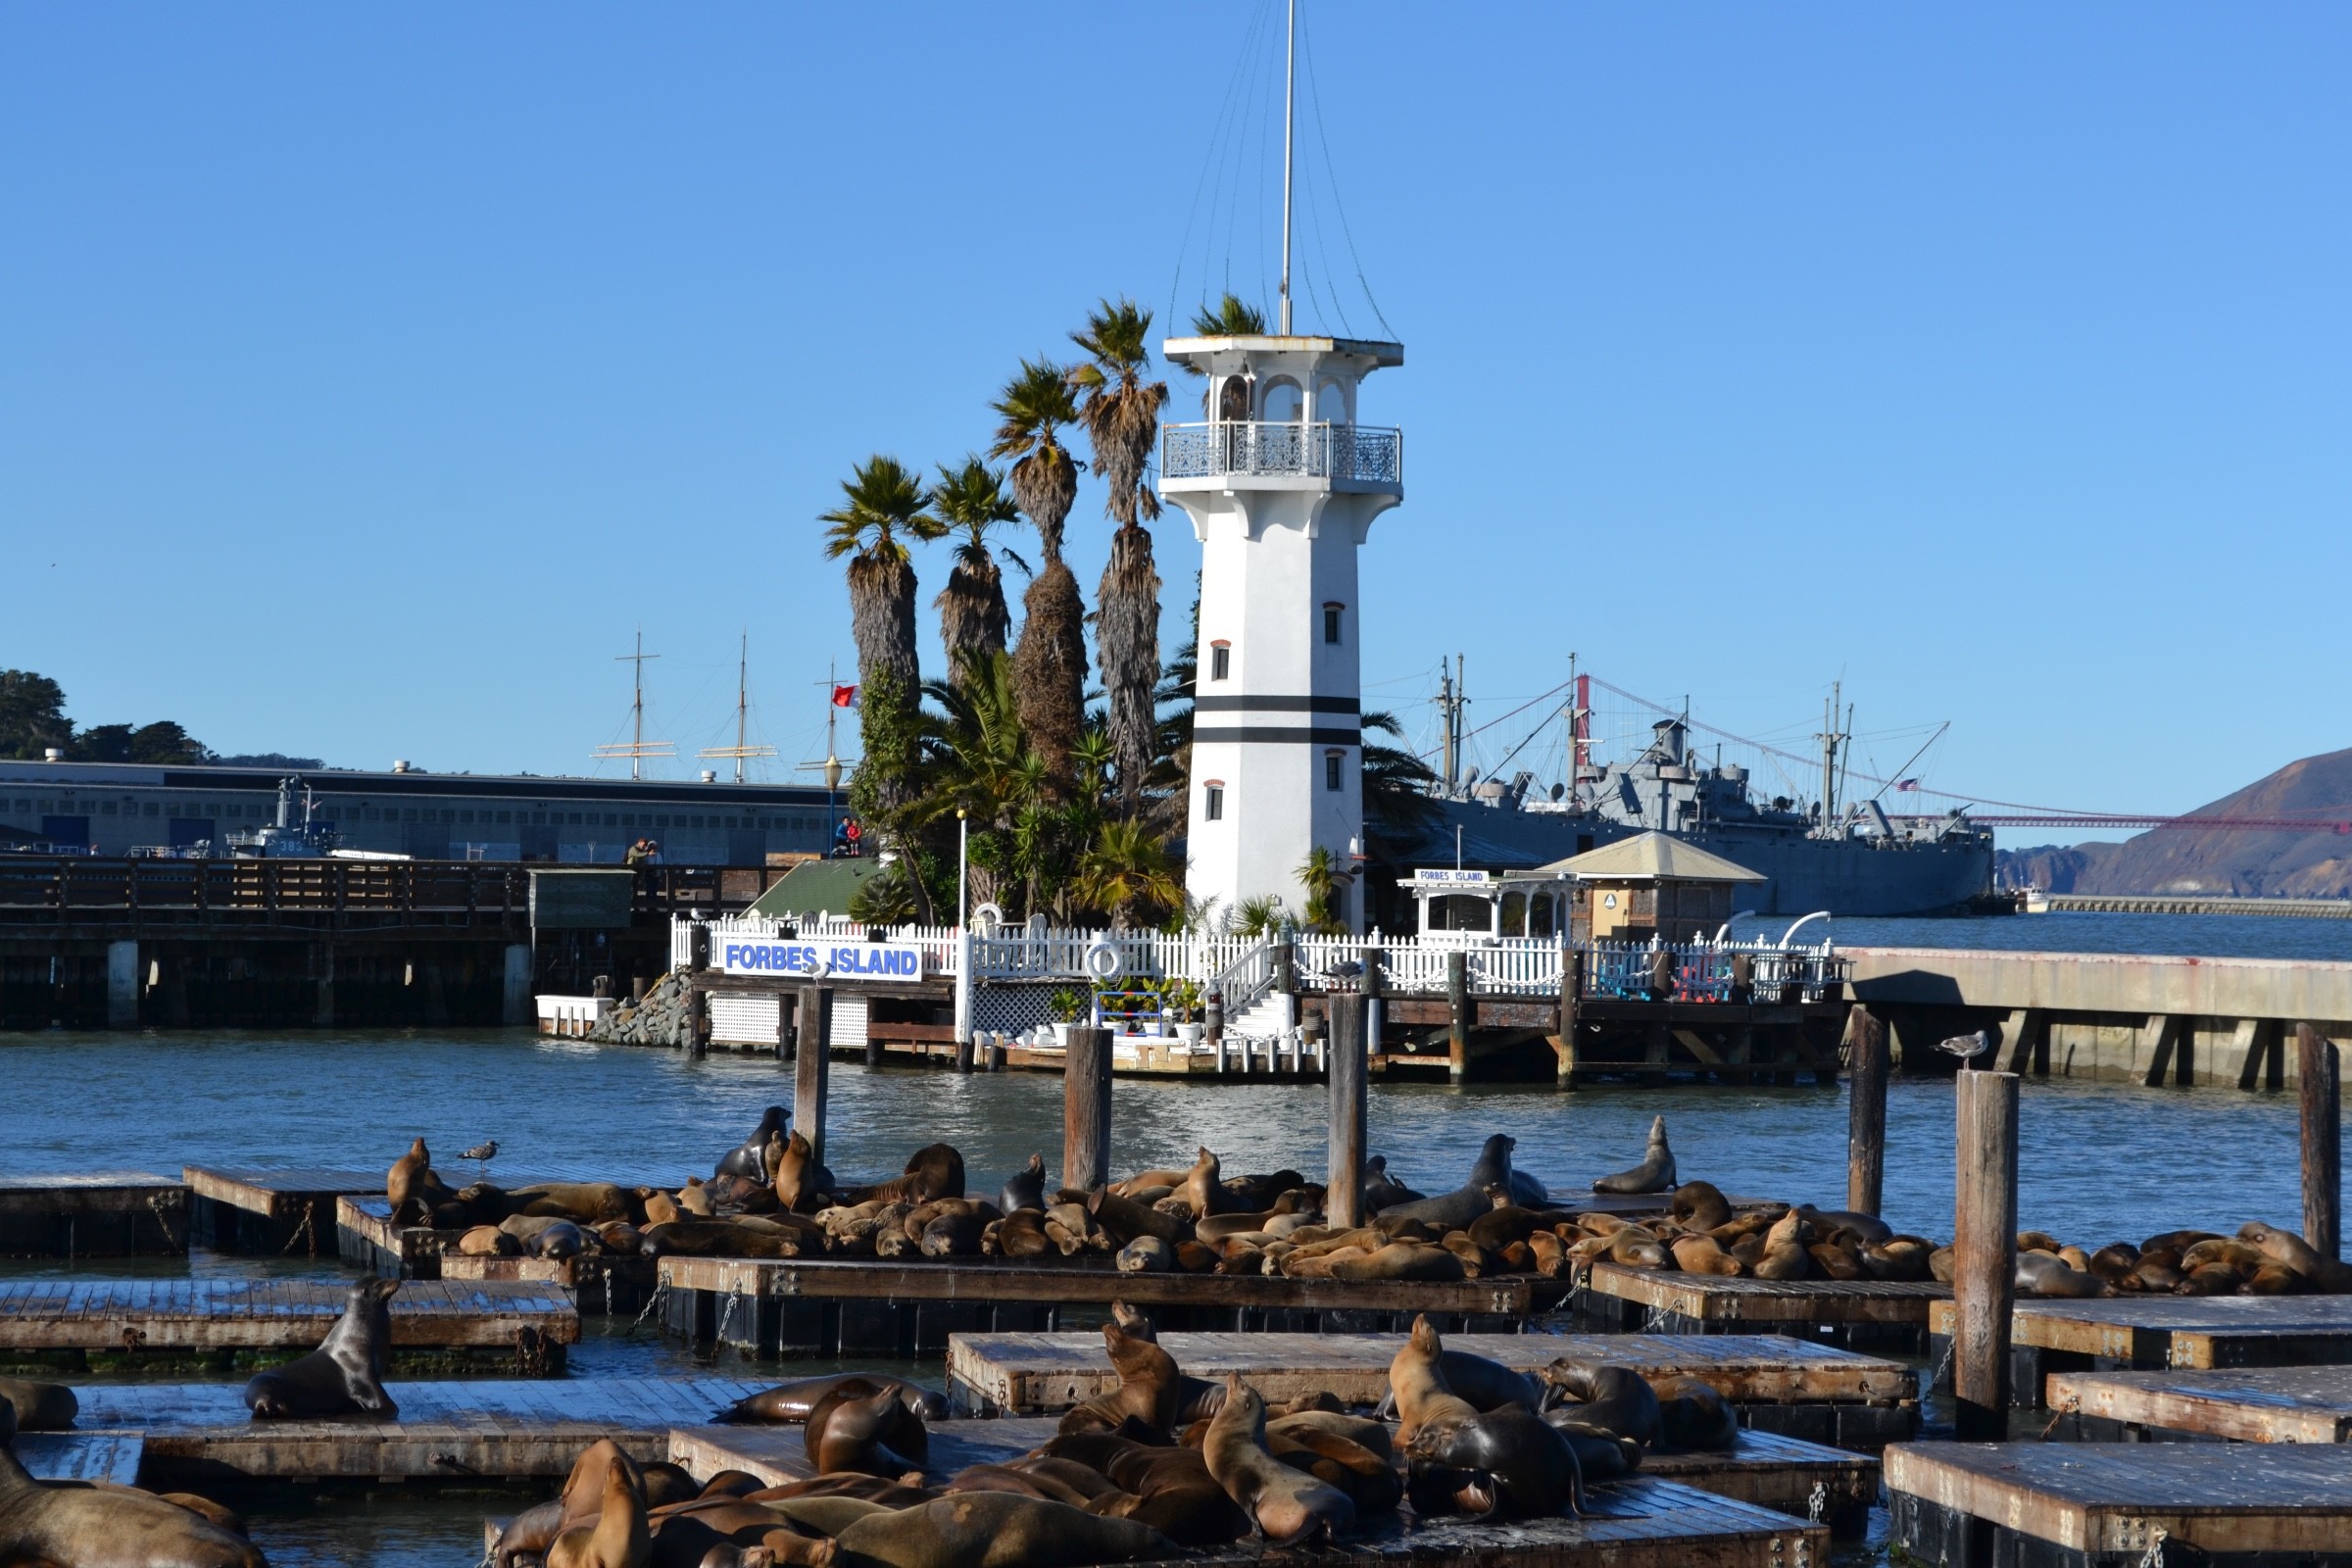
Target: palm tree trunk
x: 1050, y: 664
x: 973, y: 620
x: 1127, y: 635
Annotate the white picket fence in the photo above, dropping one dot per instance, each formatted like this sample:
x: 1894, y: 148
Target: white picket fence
x: 1241, y: 969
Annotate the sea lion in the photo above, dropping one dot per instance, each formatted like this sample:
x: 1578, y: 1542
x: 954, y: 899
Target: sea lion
x: 1483, y: 1383
x: 872, y: 1433
x: 1867, y: 1227
x: 1700, y: 1205
x: 1505, y: 1464
x: 1379, y: 1190
x: 1289, y: 1504
x: 934, y: 1170
x: 1457, y: 1208
x: 1702, y: 1254
x: 1148, y: 1390
x: 73, y: 1524
x: 1905, y: 1257
x: 1615, y: 1398
x: 1656, y: 1173
x: 1123, y: 1219
x: 1146, y: 1254
x: 1600, y: 1456
x: 1197, y: 1399
x: 1363, y: 1471
x: 998, y: 1529
x: 695, y: 1198
x: 2287, y: 1248
x: 345, y: 1373
x: 1203, y: 1190
x: 1021, y: 1233
x: 1783, y: 1255
x: 412, y: 1187
x: 1174, y: 1491
x: 794, y: 1400
x: 2042, y: 1274
x: 487, y: 1241
x: 714, y: 1238
x: 1693, y: 1417
x: 586, y: 1202
x: 1417, y: 1385
x: 618, y: 1538
x: 1401, y: 1260
x: 39, y: 1407
x: 750, y: 1157
x: 1026, y: 1189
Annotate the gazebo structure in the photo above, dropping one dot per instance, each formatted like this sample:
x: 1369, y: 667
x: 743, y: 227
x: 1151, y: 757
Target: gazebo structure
x: 1653, y: 885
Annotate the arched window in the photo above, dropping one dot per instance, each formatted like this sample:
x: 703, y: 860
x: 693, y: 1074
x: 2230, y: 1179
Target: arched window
x: 1212, y: 801
x: 1220, y: 661
x: 1281, y: 403
x: 1461, y: 912
x: 1541, y: 919
x: 1233, y: 398
x: 1331, y: 402
x: 1514, y: 914
x: 1333, y: 614
x: 1335, y: 771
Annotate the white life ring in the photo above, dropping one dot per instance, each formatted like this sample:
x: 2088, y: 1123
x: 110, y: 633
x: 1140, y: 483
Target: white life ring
x: 1102, y: 960
x: 985, y: 918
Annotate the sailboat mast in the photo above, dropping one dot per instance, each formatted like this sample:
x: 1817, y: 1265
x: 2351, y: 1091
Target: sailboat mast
x: 743, y: 677
x: 1290, y: 116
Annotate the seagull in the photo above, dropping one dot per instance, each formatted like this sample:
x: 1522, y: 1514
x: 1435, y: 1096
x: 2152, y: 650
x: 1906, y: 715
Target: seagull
x: 1346, y: 971
x: 1968, y: 1047
x: 482, y: 1154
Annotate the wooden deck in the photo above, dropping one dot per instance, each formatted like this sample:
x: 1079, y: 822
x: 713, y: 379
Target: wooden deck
x: 80, y: 1455
x: 2265, y: 1404
x: 1616, y: 1298
x: 246, y: 1209
x: 605, y: 1285
x: 139, y: 1319
x: 201, y: 1433
x: 1042, y: 1374
x: 1643, y: 1523
x: 2150, y: 1332
x: 1957, y: 1501
x: 367, y: 1238
x: 102, y: 1214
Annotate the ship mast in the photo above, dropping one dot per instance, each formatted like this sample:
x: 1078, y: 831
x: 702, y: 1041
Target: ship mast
x: 1451, y: 702
x: 1830, y: 738
x: 638, y: 748
x: 1290, y: 95
x: 743, y: 704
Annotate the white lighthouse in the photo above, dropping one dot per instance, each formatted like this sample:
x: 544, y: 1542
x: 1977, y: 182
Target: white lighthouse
x: 1282, y: 484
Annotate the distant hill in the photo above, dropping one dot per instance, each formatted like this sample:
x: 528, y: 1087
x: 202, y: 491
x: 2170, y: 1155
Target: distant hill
x: 2218, y: 861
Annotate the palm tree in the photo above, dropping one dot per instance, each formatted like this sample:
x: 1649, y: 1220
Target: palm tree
x: 972, y: 618
x: 1050, y: 661
x: 1121, y: 414
x: 977, y: 760
x: 1320, y: 875
x: 1231, y: 319
x: 1130, y: 873
x: 1397, y: 804
x: 883, y: 506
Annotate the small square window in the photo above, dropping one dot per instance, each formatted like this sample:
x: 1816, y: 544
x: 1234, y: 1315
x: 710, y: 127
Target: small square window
x: 1331, y: 768
x: 1220, y: 661
x: 1331, y: 622
x: 1213, y: 808
x: 575, y: 819
x: 505, y: 816
x: 465, y: 816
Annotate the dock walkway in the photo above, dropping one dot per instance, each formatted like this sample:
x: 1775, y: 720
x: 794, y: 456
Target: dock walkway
x: 97, y: 1213
x: 1642, y: 1523
x: 1616, y: 1298
x: 521, y: 1326
x: 2150, y: 1333
x: 2256, y: 1404
x: 2087, y: 1506
x: 247, y: 1209
x: 1781, y: 1385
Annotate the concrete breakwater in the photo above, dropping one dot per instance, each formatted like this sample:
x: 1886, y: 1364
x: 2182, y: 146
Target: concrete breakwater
x: 2128, y: 1017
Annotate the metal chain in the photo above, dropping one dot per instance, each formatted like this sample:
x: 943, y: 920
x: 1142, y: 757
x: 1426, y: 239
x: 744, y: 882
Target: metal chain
x: 2153, y: 1558
x: 1819, y: 1504
x: 652, y: 1301
x: 1942, y: 1367
x: 155, y: 1201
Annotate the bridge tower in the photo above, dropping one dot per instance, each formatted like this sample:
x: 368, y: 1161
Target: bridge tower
x: 1281, y: 483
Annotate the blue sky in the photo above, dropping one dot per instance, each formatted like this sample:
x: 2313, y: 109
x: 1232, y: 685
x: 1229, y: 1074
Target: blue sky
x: 368, y: 376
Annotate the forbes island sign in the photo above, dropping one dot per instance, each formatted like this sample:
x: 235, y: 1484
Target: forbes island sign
x: 888, y: 963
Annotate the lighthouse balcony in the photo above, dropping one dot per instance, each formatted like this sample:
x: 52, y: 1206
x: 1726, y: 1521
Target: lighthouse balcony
x: 1343, y: 457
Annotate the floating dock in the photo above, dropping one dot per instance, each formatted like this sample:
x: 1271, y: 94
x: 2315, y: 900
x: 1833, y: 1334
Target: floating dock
x: 598, y: 1284
x: 2251, y: 1404
x: 1894, y: 1313
x: 1641, y: 1523
x: 243, y: 1208
x: 101, y: 1213
x: 80, y: 1455
x: 2092, y: 1505
x: 901, y: 1308
x: 2149, y: 1332
x: 1781, y: 1385
x: 513, y: 1327
x: 200, y: 1435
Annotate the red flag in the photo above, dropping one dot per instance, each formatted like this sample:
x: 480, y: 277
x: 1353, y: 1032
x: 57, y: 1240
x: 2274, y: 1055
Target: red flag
x: 844, y: 697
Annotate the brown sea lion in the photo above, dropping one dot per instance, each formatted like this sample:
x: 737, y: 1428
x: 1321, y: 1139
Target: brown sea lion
x: 717, y: 1237
x: 1656, y: 1173
x: 40, y: 1406
x: 1637, y: 1248
x: 873, y: 1434
x: 1600, y: 1454
x: 1123, y: 1219
x: 1197, y: 1399
x: 2293, y: 1252
x: 796, y: 1182
x: 1693, y: 1417
x: 413, y: 1188
x: 659, y: 1207
x: 1905, y: 1257
x: 1417, y: 1383
x: 1203, y: 1189
x: 619, y: 1539
x: 934, y: 1170
x: 72, y: 1524
x: 1021, y: 1233
x: 2214, y: 1279
x: 1700, y: 1205
x: 2114, y: 1264
x: 1401, y: 1260
x: 487, y: 1241
x: 1175, y: 1492
x: 2040, y: 1273
x: 1289, y: 1504
x: 1148, y: 1392
x: 1454, y: 1209
x: 1026, y: 1188
x: 1702, y: 1254
x: 1363, y: 1471
x: 998, y: 1529
x: 1783, y: 1256
x: 346, y: 1373
x: 587, y: 1202
x: 794, y: 1400
x: 695, y: 1198
x: 1865, y: 1227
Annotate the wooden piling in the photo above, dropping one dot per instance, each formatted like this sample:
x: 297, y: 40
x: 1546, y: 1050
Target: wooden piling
x: 1086, y: 1110
x: 1344, y: 1063
x: 1458, y: 1031
x: 2317, y: 1068
x: 1866, y: 1114
x: 784, y: 1009
x: 1984, y: 1248
x: 812, y: 1019
x: 1572, y: 996
x: 698, y: 1001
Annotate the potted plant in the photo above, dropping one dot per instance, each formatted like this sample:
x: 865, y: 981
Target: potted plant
x: 1184, y: 999
x: 1067, y: 1006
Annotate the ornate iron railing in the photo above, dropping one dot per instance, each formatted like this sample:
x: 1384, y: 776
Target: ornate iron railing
x: 1347, y: 453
